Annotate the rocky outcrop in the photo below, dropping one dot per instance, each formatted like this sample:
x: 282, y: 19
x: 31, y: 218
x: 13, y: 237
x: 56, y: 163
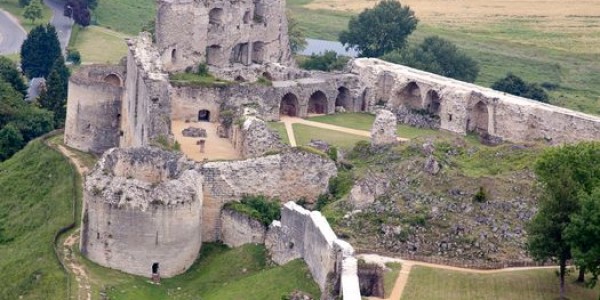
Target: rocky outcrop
x: 383, y: 131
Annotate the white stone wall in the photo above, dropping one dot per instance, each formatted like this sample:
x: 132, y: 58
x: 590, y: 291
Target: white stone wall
x: 239, y: 229
x: 465, y: 107
x: 307, y: 235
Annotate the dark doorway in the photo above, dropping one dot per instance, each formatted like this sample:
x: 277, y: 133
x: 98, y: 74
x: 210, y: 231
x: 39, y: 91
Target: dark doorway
x: 344, y: 99
x: 155, y: 268
x: 289, y: 105
x: 204, y: 116
x: 317, y: 104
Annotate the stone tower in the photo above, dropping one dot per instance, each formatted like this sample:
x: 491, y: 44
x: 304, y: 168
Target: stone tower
x: 221, y: 33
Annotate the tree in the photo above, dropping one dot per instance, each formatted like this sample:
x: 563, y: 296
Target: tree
x: 54, y: 97
x: 564, y: 173
x: 513, y: 84
x: 380, y: 30
x: 296, y: 35
x: 439, y: 56
x: 79, y: 10
x: 39, y: 51
x: 328, y: 61
x: 10, y: 74
x: 11, y: 141
x: 33, y: 11
x: 23, y: 3
x: 583, y: 234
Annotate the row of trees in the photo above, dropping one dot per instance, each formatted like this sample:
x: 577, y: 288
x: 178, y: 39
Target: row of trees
x: 567, y: 224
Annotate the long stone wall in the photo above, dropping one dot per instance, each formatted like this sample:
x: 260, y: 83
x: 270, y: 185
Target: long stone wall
x: 289, y: 176
x: 307, y: 235
x: 464, y: 107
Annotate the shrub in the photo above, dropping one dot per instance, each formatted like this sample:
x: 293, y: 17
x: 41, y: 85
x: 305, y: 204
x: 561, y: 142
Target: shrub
x: 203, y: 70
x: 480, y: 196
x: 328, y: 61
x: 74, y: 56
x: 258, y: 207
x: 514, y: 85
x: 333, y: 153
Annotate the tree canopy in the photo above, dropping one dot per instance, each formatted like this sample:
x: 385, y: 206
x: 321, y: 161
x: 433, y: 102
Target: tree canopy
x: 327, y: 61
x: 54, y: 97
x: 80, y: 11
x: 439, y: 56
x: 39, y: 51
x: 514, y: 85
x: 33, y: 11
x: 381, y: 29
x: 10, y: 74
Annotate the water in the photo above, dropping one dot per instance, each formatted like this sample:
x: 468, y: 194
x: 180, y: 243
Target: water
x: 320, y: 46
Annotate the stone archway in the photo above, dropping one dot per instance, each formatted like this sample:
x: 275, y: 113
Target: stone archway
x: 410, y: 96
x: 215, y: 16
x: 203, y: 115
x: 433, y: 103
x: 344, y: 99
x: 113, y: 79
x: 479, y: 119
x: 317, y: 104
x: 289, y: 105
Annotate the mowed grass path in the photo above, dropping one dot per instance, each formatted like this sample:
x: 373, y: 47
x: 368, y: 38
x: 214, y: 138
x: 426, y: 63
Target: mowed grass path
x: 36, y: 190
x: 437, y: 284
x: 220, y: 273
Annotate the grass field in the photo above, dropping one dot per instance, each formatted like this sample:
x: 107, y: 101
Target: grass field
x: 434, y: 284
x: 280, y: 128
x: 305, y: 133
x: 219, y: 273
x: 390, y: 276
x: 127, y: 16
x: 99, y: 45
x: 12, y: 6
x: 36, y: 187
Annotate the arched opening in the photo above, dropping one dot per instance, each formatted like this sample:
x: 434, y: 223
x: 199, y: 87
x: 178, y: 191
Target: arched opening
x: 239, y: 78
x: 247, y: 17
x: 155, y: 268
x: 213, y: 55
x: 410, y: 96
x: 317, y: 104
x: 344, y: 99
x: 434, y: 103
x: 174, y: 55
x: 215, y: 16
x: 259, y: 11
x: 364, y: 104
x: 204, y: 115
x: 267, y: 75
x: 258, y: 52
x: 479, y: 119
x: 289, y: 105
x: 113, y: 79
x: 239, y: 54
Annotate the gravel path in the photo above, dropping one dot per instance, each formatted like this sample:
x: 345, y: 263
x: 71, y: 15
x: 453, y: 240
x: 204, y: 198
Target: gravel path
x: 12, y: 34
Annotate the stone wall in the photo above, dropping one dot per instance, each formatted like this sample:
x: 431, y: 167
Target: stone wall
x: 94, y: 108
x: 289, y: 176
x: 254, y: 138
x: 307, y: 235
x: 139, y: 205
x: 238, y: 229
x: 464, y: 107
x: 221, y: 33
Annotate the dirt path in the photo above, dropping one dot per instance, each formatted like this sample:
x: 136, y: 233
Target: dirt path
x: 407, y: 266
x: 288, y: 121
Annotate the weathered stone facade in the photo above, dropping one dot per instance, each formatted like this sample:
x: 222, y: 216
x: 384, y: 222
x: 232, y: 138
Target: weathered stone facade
x: 383, y: 131
x: 238, y: 229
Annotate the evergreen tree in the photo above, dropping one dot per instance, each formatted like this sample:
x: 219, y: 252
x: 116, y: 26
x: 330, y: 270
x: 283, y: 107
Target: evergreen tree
x: 10, y: 74
x: 54, y: 97
x: 39, y: 51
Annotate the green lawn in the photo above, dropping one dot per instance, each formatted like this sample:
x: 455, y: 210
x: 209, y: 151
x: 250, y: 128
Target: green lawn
x: 12, y: 6
x: 99, y: 45
x: 128, y: 16
x: 390, y: 276
x: 433, y: 284
x: 220, y: 273
x: 36, y: 189
x: 305, y: 133
x: 280, y: 128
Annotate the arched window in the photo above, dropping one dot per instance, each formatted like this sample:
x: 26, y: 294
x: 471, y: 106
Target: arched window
x: 113, y: 79
x: 174, y: 55
x: 433, y: 101
x: 479, y: 119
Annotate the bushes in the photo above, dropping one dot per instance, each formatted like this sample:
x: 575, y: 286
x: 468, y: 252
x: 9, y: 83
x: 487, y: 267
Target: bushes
x: 338, y: 187
x: 328, y: 61
x: 480, y: 196
x: 258, y: 207
x: 513, y: 84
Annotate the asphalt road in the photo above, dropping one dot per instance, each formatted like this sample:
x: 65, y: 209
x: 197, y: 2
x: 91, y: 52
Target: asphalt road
x: 12, y: 34
x: 63, y: 24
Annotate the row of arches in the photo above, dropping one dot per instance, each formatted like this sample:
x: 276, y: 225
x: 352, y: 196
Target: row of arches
x: 318, y: 103
x: 216, y: 16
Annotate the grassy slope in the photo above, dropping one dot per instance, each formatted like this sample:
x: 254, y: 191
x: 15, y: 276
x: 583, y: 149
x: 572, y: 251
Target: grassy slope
x: 35, y: 201
x: 432, y: 284
x: 127, y: 16
x: 12, y: 6
x: 99, y: 45
x: 220, y: 273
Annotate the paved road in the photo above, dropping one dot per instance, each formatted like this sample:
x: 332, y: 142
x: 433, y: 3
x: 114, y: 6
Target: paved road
x: 63, y: 24
x: 12, y: 34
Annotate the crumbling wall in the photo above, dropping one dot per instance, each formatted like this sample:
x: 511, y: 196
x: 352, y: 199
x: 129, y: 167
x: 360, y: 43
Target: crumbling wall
x: 464, y: 107
x: 307, y: 235
x: 289, y: 176
x: 383, y: 131
x: 139, y: 205
x: 94, y: 108
x: 254, y: 138
x: 238, y: 229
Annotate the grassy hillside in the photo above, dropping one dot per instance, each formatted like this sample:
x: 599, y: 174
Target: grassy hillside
x: 36, y: 188
x: 127, y: 16
x: 436, y: 284
x: 220, y: 273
